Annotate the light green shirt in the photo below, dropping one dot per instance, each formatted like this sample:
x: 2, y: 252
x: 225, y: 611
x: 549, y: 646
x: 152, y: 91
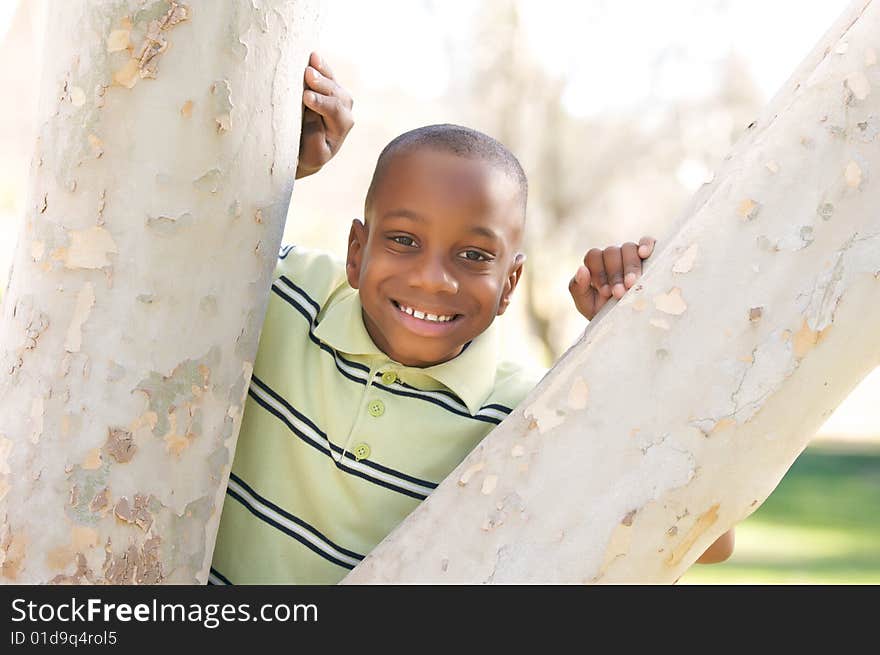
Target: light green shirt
x: 338, y: 442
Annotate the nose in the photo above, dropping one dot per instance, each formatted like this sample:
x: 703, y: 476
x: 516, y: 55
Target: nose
x: 433, y: 276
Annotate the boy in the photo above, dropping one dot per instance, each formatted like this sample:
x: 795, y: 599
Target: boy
x: 374, y: 378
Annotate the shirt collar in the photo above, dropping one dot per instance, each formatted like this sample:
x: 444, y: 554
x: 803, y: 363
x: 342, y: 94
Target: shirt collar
x: 470, y: 375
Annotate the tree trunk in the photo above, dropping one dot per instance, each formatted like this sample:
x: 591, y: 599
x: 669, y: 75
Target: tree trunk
x: 677, y: 413
x: 159, y: 188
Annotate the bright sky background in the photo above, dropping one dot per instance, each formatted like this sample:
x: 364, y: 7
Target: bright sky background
x: 7, y: 8
x: 607, y: 47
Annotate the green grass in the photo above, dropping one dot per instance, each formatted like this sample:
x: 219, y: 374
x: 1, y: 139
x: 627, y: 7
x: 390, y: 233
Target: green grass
x: 821, y: 525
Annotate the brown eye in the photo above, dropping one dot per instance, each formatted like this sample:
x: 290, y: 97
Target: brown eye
x: 476, y: 256
x: 403, y: 240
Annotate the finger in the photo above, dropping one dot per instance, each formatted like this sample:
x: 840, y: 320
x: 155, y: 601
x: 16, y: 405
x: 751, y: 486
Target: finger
x: 326, y: 86
x: 613, y: 260
x: 337, y: 117
x: 586, y: 299
x: 319, y: 83
x: 327, y: 107
x: 313, y: 140
x: 310, y: 117
x: 596, y: 266
x: 632, y: 263
x: 646, y: 247
x: 315, y: 150
x: 318, y: 62
x: 582, y: 277
x: 315, y: 105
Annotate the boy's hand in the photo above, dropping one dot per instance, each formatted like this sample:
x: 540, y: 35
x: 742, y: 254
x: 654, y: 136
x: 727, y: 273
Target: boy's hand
x: 607, y: 273
x: 326, y: 117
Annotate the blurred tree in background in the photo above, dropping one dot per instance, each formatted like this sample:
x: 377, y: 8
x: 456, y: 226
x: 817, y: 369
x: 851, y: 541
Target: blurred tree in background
x: 594, y: 181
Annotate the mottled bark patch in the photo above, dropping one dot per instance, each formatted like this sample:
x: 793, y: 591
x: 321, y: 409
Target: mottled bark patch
x: 88, y: 248
x: 149, y: 566
x: 82, y: 575
x: 169, y: 225
x: 88, y: 487
x: 120, y: 444
x: 247, y: 340
x: 31, y: 324
x: 748, y: 209
x: 703, y: 523
x: 85, y: 300
x: 101, y: 501
x: 93, y: 460
x: 137, y: 513
x: 5, y: 451
x: 619, y: 543
x: 858, y: 85
x: 671, y: 303
x: 174, y: 398
x: 806, y: 339
x: 489, y: 484
x: 13, y: 549
x: 469, y: 473
x: 144, y: 61
x: 209, y: 182
x: 722, y: 424
x: 853, y: 175
x: 120, y: 568
x: 118, y: 40
x: 96, y: 144
x: 182, y: 564
x: 221, y: 105
x: 685, y: 263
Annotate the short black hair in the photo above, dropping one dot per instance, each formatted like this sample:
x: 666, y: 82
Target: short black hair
x: 459, y: 140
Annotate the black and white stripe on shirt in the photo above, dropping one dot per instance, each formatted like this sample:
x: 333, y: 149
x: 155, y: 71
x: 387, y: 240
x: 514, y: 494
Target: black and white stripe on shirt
x: 307, y: 535
x: 217, y: 578
x: 310, y: 433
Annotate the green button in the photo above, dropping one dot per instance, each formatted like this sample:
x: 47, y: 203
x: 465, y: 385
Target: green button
x: 389, y: 377
x: 361, y: 451
x: 376, y: 408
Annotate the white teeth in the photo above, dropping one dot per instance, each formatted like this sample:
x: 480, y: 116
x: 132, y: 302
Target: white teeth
x: 424, y: 316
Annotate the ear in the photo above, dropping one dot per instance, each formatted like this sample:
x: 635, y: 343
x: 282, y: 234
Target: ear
x: 513, y: 277
x: 357, y: 244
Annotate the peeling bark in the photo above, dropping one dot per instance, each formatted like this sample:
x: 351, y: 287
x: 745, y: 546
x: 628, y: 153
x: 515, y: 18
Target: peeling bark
x: 135, y: 299
x: 754, y: 322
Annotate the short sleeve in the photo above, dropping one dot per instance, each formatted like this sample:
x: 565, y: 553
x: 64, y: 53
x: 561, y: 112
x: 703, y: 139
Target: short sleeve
x: 315, y: 273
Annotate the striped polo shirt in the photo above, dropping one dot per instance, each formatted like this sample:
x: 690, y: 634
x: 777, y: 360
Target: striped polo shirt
x: 338, y: 442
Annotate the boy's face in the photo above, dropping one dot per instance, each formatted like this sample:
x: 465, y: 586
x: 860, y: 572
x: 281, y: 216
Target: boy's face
x: 441, y: 238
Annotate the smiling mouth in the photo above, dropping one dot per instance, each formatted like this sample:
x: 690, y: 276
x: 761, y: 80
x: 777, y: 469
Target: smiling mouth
x: 424, y: 316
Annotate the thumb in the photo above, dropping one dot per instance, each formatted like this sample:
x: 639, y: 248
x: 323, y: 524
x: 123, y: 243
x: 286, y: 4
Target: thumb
x: 586, y: 299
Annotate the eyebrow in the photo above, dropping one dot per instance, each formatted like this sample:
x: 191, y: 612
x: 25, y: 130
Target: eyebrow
x: 403, y: 213
x: 415, y: 216
x: 485, y: 231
